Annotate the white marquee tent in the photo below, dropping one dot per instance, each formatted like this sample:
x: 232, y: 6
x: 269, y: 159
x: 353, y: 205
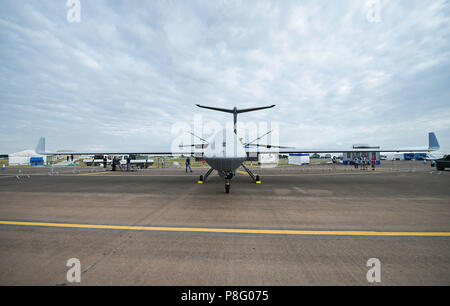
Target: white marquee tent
x: 23, y: 157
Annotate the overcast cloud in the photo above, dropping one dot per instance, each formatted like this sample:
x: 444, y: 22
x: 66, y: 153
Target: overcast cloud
x: 129, y: 70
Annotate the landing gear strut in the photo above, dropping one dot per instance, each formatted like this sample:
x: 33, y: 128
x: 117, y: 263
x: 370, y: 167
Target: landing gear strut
x: 204, y: 177
x: 254, y: 177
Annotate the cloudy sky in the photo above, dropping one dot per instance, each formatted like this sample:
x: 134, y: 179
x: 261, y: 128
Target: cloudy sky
x: 339, y: 72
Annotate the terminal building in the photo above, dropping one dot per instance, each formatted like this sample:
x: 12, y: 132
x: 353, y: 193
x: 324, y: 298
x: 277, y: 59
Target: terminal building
x: 349, y: 157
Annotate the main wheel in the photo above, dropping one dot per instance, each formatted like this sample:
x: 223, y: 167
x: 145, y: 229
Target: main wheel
x: 227, y: 188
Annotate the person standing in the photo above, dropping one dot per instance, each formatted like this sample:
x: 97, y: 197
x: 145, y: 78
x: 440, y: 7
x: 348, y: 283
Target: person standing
x: 114, y: 163
x: 374, y: 162
x: 105, y: 162
x: 188, y: 164
x: 356, y: 162
x: 128, y: 163
x: 333, y: 160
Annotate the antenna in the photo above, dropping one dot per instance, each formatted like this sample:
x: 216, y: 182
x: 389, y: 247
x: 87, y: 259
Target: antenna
x: 199, y: 137
x: 250, y: 142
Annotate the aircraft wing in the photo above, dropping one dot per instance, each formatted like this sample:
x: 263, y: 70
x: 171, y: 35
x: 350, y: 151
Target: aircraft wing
x: 40, y: 149
x: 216, y: 108
x: 237, y: 111
x: 246, y: 110
x: 433, y: 145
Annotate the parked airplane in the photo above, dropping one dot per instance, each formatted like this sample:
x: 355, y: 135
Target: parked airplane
x: 435, y: 155
x: 226, y: 152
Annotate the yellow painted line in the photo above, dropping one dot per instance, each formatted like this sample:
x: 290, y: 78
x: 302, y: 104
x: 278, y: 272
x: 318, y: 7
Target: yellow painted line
x: 242, y: 172
x: 228, y: 230
x: 95, y: 173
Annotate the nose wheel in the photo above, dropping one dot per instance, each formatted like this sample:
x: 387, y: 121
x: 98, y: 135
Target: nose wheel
x: 227, y: 187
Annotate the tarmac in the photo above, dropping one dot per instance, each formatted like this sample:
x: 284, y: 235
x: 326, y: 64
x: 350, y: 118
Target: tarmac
x: 308, y: 225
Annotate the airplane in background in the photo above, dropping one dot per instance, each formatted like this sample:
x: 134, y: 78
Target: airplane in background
x: 226, y: 152
x: 435, y: 155
x: 415, y: 155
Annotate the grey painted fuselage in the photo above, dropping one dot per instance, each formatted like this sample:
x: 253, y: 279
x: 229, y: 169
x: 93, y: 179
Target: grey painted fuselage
x: 225, y: 153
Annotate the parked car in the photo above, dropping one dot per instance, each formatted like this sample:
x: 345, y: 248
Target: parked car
x: 443, y: 163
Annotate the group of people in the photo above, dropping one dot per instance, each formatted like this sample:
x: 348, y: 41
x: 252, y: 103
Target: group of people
x: 116, y: 163
x: 363, y: 162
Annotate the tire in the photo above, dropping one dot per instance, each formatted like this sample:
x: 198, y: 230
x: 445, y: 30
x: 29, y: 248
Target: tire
x: 227, y: 188
x: 440, y: 168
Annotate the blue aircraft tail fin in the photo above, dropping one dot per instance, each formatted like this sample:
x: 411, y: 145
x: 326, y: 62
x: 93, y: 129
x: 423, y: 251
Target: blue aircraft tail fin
x: 433, y: 143
x: 40, y: 148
